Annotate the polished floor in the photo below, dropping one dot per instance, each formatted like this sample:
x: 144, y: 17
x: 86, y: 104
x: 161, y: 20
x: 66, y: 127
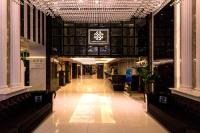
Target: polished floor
x: 89, y: 105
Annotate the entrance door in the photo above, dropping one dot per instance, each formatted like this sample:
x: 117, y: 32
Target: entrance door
x: 100, y: 71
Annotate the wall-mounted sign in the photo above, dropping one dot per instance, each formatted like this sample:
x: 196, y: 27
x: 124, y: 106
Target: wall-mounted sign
x: 98, y: 36
x: 37, y: 63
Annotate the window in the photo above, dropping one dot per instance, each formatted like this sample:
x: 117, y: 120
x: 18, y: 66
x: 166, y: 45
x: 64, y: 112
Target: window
x: 28, y: 22
x: 22, y: 19
x: 38, y: 26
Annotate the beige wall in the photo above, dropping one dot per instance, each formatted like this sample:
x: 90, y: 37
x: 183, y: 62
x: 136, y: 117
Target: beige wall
x: 38, y: 70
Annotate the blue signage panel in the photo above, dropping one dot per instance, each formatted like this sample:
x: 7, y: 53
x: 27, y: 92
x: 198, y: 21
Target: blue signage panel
x: 129, y: 75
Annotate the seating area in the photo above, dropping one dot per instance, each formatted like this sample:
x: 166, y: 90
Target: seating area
x: 178, y: 114
x: 22, y: 113
x: 118, y: 82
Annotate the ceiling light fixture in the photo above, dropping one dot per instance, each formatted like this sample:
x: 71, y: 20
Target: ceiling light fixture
x: 97, y: 11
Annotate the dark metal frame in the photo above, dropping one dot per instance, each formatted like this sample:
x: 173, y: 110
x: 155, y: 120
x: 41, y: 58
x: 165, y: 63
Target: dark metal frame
x: 122, y: 50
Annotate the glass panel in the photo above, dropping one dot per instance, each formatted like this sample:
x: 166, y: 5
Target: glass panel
x: 136, y: 42
x: 128, y: 41
x: 57, y: 31
x: 68, y: 25
x: 81, y: 32
x: 116, y: 32
x: 57, y: 41
x: 93, y: 25
x: 69, y: 41
x: 34, y: 24
x: 128, y: 32
x: 116, y: 25
x: 104, y: 50
x: 116, y: 41
x: 104, y: 25
x: 79, y: 50
x: 125, y: 50
x: 68, y: 50
x: 136, y: 32
x: 38, y: 26
x: 29, y: 22
x: 69, y: 32
x: 22, y: 19
x: 128, y: 51
x: 116, y: 51
x: 92, y: 50
x: 80, y: 41
x: 142, y: 51
x: 128, y: 24
x: 81, y: 25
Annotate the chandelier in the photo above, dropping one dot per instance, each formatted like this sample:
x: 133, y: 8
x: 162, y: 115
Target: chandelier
x: 97, y: 11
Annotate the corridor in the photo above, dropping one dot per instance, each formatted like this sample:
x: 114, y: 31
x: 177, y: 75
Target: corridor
x: 89, y: 105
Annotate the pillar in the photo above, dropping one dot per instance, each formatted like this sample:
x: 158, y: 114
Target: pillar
x: 186, y: 44
x: 15, y: 68
x: 177, y: 35
x: 3, y: 44
x: 31, y: 23
x: 198, y: 44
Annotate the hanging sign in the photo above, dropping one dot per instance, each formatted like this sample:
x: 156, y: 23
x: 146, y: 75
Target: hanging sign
x: 98, y: 36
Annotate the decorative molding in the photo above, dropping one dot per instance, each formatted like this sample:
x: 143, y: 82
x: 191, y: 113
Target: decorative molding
x: 188, y: 93
x: 10, y: 92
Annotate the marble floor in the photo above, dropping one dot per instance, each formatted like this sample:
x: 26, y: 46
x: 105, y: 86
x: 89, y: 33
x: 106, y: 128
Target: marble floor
x: 89, y: 105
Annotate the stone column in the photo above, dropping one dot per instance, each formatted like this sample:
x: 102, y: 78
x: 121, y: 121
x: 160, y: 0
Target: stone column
x: 15, y: 80
x: 186, y: 44
x: 31, y: 23
x: 3, y: 44
x: 177, y: 36
x: 198, y: 44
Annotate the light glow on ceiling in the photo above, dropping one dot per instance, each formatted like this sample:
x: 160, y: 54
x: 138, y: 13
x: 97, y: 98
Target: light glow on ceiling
x: 91, y: 61
x: 97, y: 11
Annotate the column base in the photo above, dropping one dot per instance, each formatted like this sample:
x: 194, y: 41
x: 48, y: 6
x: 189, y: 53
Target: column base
x: 15, y: 86
x: 198, y: 89
x: 3, y: 87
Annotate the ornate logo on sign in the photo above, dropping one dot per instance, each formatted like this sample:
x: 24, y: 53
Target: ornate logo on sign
x: 98, y: 35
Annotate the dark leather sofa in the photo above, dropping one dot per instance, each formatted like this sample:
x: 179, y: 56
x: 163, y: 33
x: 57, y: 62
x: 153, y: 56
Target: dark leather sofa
x: 178, y: 114
x: 22, y: 113
x: 118, y: 82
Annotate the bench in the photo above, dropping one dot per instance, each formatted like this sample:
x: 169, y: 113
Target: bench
x: 178, y: 115
x: 118, y: 82
x: 23, y: 113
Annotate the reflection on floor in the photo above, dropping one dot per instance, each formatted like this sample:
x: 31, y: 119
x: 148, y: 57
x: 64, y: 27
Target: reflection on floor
x: 90, y: 106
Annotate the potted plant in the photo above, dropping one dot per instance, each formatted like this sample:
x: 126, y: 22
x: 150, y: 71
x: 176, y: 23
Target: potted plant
x: 146, y: 76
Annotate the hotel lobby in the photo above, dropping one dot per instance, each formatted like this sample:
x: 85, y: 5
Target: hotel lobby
x: 100, y: 66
